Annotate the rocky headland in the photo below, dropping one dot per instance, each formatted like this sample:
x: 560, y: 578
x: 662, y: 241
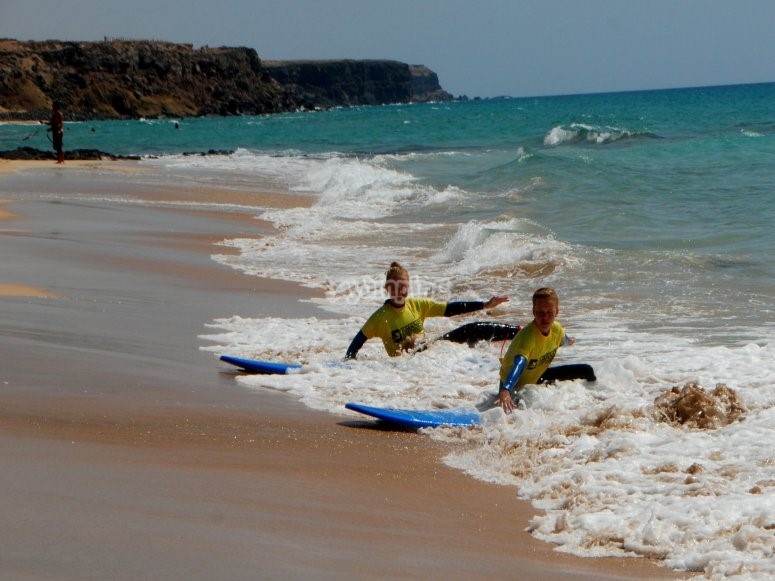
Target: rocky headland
x: 126, y: 79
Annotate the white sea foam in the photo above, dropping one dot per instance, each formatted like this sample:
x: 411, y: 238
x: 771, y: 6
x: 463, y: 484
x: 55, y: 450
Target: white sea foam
x: 605, y: 470
x: 607, y: 476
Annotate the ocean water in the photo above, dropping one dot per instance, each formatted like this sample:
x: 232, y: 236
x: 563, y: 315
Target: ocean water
x: 651, y: 213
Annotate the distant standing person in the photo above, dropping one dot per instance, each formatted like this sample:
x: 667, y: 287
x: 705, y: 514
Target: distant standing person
x: 57, y: 128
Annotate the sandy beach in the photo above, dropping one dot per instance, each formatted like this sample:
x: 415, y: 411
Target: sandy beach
x: 129, y: 453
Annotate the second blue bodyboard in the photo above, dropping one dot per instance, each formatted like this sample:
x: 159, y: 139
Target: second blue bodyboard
x: 256, y: 366
x: 420, y: 418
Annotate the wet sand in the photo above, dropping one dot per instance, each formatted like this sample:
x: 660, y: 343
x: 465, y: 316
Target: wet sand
x: 130, y: 453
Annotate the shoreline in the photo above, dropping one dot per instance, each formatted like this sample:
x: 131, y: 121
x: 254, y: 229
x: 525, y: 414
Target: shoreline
x: 112, y: 414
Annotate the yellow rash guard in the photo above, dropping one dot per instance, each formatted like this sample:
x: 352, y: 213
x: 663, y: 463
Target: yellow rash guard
x: 394, y: 325
x: 537, y: 349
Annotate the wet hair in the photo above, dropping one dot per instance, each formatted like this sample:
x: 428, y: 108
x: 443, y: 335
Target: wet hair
x: 394, y: 272
x: 57, y: 104
x: 546, y: 293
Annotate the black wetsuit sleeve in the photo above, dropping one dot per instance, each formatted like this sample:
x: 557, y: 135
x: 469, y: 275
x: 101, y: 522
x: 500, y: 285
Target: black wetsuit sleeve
x: 461, y: 307
x: 356, y: 345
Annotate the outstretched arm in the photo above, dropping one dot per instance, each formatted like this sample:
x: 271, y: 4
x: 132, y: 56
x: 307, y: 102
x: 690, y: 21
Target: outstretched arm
x: 462, y: 307
x: 356, y: 345
x: 506, y: 390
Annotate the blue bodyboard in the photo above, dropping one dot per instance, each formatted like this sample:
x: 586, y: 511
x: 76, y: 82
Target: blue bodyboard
x: 256, y: 366
x: 463, y: 417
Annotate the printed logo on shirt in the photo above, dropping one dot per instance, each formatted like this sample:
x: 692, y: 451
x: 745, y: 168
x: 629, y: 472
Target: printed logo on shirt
x: 398, y: 335
x: 545, y: 359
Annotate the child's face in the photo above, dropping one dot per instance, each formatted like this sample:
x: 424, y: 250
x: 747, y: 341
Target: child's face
x: 398, y: 290
x: 545, y: 311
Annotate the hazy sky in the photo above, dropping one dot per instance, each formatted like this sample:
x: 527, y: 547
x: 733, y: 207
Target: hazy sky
x: 478, y: 47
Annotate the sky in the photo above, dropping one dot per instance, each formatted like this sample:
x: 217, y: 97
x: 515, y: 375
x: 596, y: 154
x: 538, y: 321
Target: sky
x: 478, y: 48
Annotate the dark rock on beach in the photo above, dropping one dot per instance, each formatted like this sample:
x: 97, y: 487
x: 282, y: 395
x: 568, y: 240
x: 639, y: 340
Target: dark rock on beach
x: 124, y: 79
x: 31, y: 153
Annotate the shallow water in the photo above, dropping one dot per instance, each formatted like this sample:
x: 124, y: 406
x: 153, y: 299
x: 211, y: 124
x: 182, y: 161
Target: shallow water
x: 651, y: 215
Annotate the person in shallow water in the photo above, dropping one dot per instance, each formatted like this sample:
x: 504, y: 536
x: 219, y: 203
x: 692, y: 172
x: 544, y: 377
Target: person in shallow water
x: 399, y: 322
x: 532, y: 350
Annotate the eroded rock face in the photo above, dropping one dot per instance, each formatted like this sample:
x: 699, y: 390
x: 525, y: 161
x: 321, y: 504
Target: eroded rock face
x: 342, y: 83
x: 120, y: 79
x: 123, y: 79
x: 425, y: 85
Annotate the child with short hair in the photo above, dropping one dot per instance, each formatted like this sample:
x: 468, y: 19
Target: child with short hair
x: 532, y: 350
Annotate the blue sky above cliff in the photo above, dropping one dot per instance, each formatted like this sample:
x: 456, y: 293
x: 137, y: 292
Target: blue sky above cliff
x: 478, y: 48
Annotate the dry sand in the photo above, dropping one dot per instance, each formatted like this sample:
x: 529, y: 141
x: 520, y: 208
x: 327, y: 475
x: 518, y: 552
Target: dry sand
x: 128, y: 453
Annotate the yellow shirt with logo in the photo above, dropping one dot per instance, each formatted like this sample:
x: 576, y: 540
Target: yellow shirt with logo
x: 394, y: 325
x: 539, y: 350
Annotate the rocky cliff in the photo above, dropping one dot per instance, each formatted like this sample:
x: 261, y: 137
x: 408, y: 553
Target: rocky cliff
x: 335, y: 83
x: 118, y: 79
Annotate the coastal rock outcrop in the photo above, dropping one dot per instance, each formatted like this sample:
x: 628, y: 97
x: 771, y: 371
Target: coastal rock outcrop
x: 133, y: 79
x: 31, y: 153
x: 425, y: 85
x: 126, y: 79
x: 338, y: 83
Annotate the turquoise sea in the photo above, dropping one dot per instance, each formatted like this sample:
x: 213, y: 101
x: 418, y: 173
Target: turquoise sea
x: 650, y: 212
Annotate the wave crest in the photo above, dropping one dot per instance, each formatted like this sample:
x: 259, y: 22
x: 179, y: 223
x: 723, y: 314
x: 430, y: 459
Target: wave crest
x: 591, y: 134
x: 507, y: 247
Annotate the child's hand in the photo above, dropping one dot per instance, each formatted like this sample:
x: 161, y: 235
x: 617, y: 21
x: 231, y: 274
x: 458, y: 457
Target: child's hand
x: 495, y: 301
x: 506, y: 401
